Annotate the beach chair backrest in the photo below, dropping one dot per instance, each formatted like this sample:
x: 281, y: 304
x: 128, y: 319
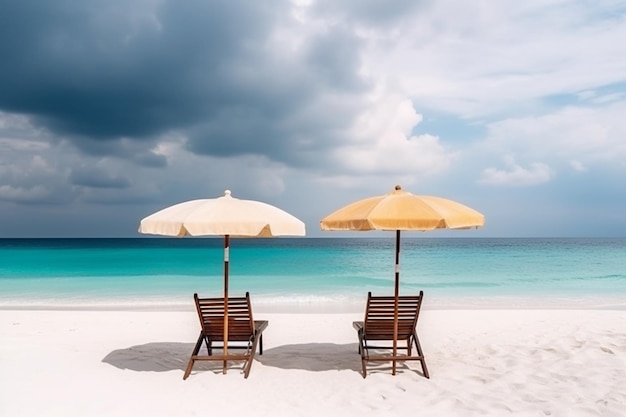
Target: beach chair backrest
x: 379, y: 315
x: 211, y: 315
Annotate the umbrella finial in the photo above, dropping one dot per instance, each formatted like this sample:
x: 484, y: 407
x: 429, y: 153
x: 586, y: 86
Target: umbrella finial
x: 227, y: 193
x: 398, y: 188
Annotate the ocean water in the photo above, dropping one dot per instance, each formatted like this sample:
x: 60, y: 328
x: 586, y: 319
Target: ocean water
x: 321, y: 274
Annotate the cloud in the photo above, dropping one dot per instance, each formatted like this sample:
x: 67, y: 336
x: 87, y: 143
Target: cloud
x: 370, y: 13
x: 25, y: 194
x: 291, y: 82
x: 103, y: 77
x: 97, y: 178
x: 591, y: 135
x: 32, y: 180
x: 383, y: 143
x: 516, y: 175
x: 506, y: 57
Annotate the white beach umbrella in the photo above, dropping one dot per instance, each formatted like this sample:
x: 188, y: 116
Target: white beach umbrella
x: 222, y: 216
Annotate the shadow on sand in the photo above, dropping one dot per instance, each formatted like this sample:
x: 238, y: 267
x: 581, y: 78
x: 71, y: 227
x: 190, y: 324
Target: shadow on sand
x: 151, y: 357
x: 315, y: 357
x: 171, y: 356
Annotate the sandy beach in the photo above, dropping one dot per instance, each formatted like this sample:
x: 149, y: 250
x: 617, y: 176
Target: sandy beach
x: 482, y: 362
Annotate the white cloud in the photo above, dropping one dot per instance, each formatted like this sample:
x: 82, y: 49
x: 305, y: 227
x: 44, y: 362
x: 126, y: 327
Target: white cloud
x: 516, y: 175
x: 382, y: 143
x: 591, y: 136
x: 509, y: 53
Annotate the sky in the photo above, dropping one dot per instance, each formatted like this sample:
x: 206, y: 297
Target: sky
x: 112, y: 109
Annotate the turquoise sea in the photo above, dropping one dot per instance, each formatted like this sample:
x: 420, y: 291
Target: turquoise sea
x: 322, y: 274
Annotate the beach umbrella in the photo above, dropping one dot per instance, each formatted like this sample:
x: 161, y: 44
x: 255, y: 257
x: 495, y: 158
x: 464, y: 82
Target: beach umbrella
x: 400, y: 210
x: 222, y: 216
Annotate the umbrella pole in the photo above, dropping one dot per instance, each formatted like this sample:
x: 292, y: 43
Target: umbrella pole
x: 226, y: 261
x: 396, y: 304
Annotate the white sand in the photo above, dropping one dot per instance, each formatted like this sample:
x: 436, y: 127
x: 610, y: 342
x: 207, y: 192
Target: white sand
x: 482, y: 363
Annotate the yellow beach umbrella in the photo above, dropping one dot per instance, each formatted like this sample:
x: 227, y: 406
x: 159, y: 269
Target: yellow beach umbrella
x: 400, y: 210
x: 222, y: 216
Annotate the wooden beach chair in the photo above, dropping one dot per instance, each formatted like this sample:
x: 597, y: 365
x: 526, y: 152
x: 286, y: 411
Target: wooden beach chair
x: 378, y: 328
x: 244, y: 333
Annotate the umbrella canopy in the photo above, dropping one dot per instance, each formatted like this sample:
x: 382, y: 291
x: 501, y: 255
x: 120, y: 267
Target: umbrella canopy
x: 400, y: 210
x: 222, y: 216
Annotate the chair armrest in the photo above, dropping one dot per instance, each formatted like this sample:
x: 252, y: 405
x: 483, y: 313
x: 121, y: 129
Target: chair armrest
x: 358, y: 325
x: 260, y: 325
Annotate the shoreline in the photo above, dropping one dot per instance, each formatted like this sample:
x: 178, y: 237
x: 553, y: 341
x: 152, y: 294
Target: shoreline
x: 316, y: 306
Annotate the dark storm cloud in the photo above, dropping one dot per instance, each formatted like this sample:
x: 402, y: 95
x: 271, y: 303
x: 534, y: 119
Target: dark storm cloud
x: 335, y: 57
x: 280, y: 107
x: 137, y: 151
x: 97, y: 71
x: 84, y: 68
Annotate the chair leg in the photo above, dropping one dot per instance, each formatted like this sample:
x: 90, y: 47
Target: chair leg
x: 364, y: 367
x: 364, y: 353
x: 196, y: 349
x: 420, y: 352
x: 257, y: 340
